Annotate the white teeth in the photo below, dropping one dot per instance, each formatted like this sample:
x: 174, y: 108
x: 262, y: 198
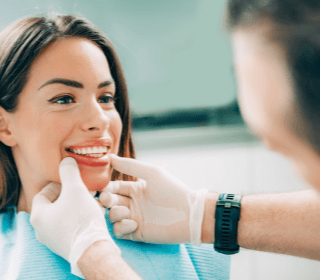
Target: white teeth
x: 102, y: 149
x: 91, y: 151
x: 95, y: 155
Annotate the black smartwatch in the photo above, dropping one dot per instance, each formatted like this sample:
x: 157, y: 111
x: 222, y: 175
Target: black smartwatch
x: 226, y: 226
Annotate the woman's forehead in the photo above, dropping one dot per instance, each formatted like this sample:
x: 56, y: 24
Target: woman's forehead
x: 68, y: 50
x: 72, y: 58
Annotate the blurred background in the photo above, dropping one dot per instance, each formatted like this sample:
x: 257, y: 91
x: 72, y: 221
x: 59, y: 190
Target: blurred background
x: 178, y: 64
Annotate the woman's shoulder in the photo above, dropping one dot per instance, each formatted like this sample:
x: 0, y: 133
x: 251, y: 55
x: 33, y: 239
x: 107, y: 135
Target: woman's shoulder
x: 20, y: 249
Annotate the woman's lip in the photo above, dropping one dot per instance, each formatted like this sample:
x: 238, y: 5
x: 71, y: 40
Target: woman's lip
x: 90, y: 161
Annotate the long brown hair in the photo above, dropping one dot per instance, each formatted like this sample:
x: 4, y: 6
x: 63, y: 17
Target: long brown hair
x: 20, y: 44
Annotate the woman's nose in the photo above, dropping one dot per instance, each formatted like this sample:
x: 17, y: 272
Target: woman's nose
x: 94, y: 118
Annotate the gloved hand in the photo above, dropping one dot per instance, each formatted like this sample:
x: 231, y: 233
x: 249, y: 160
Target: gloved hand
x: 158, y: 209
x: 73, y: 222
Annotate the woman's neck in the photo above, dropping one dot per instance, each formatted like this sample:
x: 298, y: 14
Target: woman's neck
x: 22, y: 203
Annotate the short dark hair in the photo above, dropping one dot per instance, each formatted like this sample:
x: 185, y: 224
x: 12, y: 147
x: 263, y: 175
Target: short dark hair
x: 20, y: 44
x: 296, y: 27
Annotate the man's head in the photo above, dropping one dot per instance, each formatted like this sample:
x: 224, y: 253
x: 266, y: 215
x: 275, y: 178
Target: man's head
x: 277, y: 58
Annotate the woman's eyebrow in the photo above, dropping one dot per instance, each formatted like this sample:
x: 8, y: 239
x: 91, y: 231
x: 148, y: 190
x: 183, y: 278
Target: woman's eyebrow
x: 106, y: 83
x: 66, y: 82
x: 75, y: 84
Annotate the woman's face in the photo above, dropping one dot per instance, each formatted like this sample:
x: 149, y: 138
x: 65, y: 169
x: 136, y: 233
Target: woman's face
x: 66, y: 109
x: 266, y: 98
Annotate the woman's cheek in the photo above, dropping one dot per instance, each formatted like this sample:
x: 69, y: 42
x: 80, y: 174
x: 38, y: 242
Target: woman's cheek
x: 62, y: 125
x: 116, y: 130
x: 55, y: 136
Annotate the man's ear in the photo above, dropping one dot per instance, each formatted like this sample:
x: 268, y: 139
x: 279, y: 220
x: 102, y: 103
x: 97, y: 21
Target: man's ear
x: 6, y: 132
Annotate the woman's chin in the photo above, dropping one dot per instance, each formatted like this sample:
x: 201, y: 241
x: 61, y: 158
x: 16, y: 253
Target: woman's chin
x: 96, y: 185
x: 96, y: 182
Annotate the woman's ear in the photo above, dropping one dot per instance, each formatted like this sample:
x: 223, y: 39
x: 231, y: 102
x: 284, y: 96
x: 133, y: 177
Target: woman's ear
x: 6, y: 132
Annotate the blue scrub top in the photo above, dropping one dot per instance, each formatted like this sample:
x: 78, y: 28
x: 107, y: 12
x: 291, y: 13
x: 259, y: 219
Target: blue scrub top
x: 22, y: 256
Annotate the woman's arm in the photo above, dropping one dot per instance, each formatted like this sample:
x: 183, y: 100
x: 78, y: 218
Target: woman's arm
x: 287, y: 223
x: 100, y: 261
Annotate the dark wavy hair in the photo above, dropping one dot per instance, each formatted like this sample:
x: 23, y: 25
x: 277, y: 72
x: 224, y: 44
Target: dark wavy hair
x: 295, y: 25
x: 20, y: 44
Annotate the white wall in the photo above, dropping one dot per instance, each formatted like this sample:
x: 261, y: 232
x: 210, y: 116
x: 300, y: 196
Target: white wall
x: 230, y: 160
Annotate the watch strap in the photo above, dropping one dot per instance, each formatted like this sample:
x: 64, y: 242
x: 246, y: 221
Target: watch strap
x: 227, y: 216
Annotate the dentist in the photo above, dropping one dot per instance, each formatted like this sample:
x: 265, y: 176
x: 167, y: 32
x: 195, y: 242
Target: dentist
x: 276, y: 50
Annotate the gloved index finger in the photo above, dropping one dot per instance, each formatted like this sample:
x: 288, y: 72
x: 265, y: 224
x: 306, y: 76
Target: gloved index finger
x: 131, y: 166
x: 69, y: 173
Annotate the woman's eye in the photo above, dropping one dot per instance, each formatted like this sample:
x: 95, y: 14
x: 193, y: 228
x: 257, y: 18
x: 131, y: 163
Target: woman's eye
x: 108, y: 99
x: 66, y: 99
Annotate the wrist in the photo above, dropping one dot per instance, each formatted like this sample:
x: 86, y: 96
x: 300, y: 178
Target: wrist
x: 208, y: 222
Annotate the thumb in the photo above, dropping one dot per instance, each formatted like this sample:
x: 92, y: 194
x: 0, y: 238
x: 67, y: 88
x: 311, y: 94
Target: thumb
x: 69, y: 174
x: 47, y: 195
x: 131, y: 167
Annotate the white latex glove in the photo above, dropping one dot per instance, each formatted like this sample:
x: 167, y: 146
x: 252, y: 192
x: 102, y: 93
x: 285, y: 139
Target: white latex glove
x: 72, y: 222
x: 158, y: 209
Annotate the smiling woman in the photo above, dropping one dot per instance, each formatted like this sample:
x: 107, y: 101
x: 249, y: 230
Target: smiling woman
x: 46, y: 93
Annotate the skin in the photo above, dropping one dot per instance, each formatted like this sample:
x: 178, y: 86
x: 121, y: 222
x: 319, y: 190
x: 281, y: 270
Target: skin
x: 266, y: 99
x: 99, y: 262
x: 40, y: 130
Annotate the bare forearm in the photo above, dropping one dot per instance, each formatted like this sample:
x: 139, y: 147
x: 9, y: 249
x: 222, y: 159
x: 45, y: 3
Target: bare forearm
x: 100, y: 262
x: 281, y: 223
x: 286, y: 223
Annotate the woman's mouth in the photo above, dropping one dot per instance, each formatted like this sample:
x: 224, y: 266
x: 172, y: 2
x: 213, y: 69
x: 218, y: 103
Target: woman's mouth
x: 91, y: 156
x: 95, y: 152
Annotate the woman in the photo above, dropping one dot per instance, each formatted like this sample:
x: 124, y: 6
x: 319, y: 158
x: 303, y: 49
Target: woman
x: 276, y: 51
x: 63, y: 94
x: 34, y: 35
